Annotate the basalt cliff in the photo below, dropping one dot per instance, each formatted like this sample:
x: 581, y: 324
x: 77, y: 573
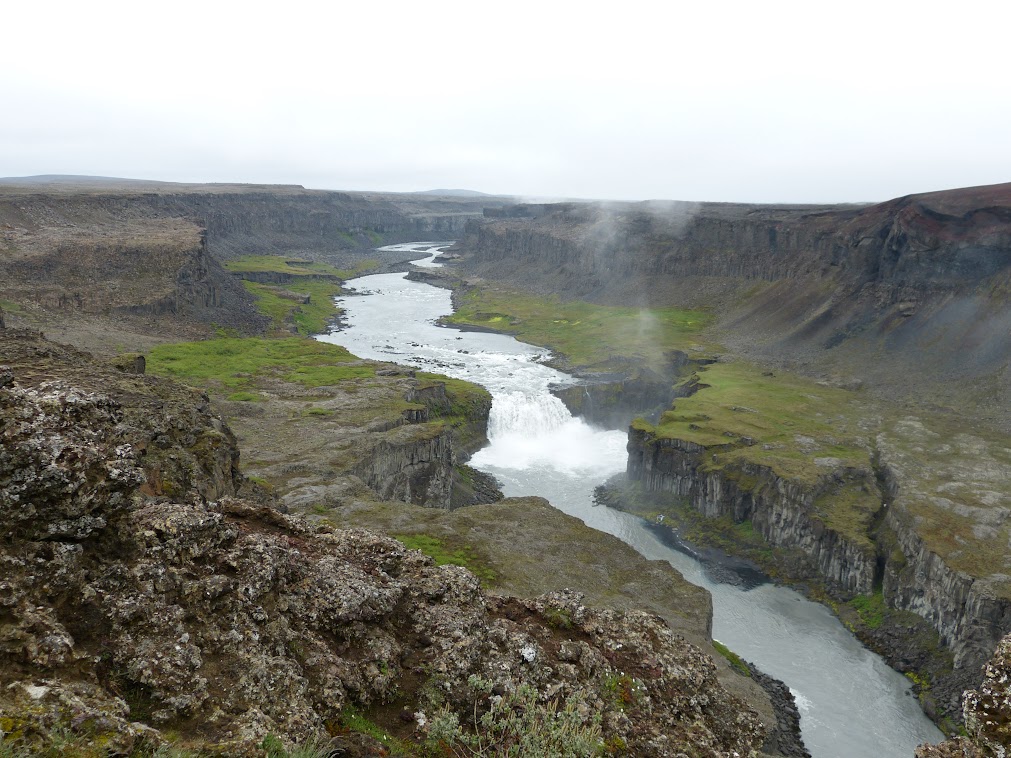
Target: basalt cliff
x: 907, y: 296
x: 76, y: 257
x: 883, y: 468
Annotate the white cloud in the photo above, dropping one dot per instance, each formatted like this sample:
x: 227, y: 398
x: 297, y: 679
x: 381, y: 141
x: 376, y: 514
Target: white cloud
x: 775, y: 101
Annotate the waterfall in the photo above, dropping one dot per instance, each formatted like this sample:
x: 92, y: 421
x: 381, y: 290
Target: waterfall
x: 534, y: 429
x: 532, y: 414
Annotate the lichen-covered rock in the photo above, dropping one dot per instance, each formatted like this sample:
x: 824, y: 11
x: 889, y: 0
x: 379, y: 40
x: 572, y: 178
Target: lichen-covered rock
x: 63, y: 467
x: 174, y: 438
x: 987, y: 712
x: 988, y: 709
x: 125, y: 616
x: 235, y: 621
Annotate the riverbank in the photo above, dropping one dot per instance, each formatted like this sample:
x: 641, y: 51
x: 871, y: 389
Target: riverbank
x: 307, y: 432
x: 812, y: 436
x: 539, y: 448
x: 737, y: 553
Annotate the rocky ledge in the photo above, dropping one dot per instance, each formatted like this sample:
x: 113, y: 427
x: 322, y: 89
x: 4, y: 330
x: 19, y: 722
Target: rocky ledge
x: 987, y: 712
x: 132, y: 617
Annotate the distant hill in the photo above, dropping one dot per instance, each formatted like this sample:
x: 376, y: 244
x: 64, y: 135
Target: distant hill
x: 74, y: 179
x: 453, y: 193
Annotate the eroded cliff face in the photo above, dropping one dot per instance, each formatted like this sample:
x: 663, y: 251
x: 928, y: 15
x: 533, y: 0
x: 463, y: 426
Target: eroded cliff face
x: 905, y: 295
x: 220, y: 622
x: 414, y: 466
x: 781, y: 510
x: 926, y: 553
x: 969, y: 613
x: 108, y: 255
x: 128, y: 267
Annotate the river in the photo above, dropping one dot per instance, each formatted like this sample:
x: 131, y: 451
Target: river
x: 851, y: 703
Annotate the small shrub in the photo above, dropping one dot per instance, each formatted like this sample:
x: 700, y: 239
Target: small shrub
x: 559, y: 618
x: 735, y: 660
x: 516, y: 724
x: 623, y: 688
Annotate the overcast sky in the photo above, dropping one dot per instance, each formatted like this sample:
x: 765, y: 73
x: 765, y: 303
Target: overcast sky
x: 751, y: 101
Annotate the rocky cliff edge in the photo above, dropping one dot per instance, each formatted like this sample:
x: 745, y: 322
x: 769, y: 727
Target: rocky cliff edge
x: 129, y: 620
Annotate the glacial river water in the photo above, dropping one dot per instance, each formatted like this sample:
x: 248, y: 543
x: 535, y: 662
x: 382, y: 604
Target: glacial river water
x: 851, y: 704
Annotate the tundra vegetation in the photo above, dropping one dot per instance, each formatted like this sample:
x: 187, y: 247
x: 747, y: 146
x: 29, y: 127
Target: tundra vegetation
x: 295, y: 294
x: 754, y: 426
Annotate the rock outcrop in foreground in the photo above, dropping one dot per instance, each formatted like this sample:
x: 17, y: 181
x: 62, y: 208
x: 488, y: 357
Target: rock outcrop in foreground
x: 987, y: 713
x: 127, y: 616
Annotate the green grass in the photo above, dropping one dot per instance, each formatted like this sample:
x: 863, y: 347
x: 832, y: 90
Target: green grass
x: 244, y: 397
x: 11, y: 307
x: 353, y: 720
x: 735, y: 660
x: 309, y: 318
x: 235, y: 363
x: 588, y: 335
x: 321, y: 281
x: 797, y: 429
x: 790, y: 421
x: 321, y: 412
x: 871, y: 609
x: 281, y: 265
x: 466, y: 399
x: 444, y: 554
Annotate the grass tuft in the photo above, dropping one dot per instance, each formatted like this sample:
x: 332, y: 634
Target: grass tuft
x: 448, y: 555
x: 736, y: 662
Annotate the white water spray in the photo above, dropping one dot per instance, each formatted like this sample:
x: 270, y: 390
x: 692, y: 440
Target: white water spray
x: 536, y: 430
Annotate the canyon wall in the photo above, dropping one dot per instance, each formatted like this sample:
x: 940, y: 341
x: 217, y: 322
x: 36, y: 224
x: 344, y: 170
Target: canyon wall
x: 778, y: 508
x: 905, y: 299
x: 907, y: 296
x: 108, y: 252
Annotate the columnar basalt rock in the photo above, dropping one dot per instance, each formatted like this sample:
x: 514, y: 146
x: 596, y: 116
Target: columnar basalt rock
x: 970, y: 613
x: 781, y: 510
x: 411, y: 466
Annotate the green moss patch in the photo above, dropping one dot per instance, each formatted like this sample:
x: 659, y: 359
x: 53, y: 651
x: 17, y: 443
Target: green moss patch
x: 871, y: 609
x: 587, y: 334
x: 295, y: 267
x: 736, y: 662
x: 235, y: 363
x: 11, y: 307
x: 444, y: 554
x: 796, y: 427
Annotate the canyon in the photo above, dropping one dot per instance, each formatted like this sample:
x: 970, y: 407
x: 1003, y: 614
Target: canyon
x: 888, y: 323
x: 888, y: 470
